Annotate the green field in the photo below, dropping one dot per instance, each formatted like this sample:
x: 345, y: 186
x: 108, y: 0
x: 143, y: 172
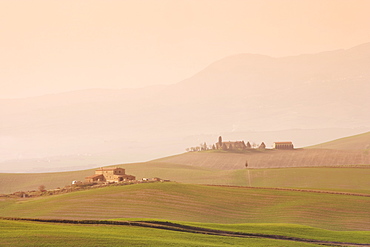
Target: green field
x: 199, y: 203
x: 291, y: 230
x: 271, y: 204
x: 336, y: 217
x: 14, y: 233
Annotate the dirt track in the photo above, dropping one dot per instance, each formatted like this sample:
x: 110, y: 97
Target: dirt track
x: 190, y: 229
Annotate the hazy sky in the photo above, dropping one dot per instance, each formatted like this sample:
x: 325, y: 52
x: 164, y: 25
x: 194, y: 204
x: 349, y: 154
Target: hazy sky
x: 53, y: 46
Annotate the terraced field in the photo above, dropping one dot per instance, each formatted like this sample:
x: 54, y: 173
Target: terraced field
x: 199, y: 203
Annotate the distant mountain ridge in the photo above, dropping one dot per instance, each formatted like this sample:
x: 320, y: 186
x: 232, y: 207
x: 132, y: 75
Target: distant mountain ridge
x: 239, y: 93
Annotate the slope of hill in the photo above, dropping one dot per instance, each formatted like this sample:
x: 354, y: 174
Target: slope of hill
x: 250, y: 92
x: 12, y: 182
x: 199, y: 203
x: 339, y: 179
x: 357, y: 142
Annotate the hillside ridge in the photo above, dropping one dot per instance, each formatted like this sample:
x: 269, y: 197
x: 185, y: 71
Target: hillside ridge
x: 356, y: 142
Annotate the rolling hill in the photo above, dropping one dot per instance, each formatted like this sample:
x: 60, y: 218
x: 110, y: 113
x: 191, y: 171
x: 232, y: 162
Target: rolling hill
x: 340, y: 179
x: 199, y: 203
x: 331, y: 169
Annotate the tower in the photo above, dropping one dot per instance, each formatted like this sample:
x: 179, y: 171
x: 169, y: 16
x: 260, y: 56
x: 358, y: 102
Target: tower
x: 220, y: 141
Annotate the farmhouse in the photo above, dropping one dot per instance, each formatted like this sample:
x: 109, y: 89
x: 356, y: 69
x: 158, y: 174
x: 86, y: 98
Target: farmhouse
x: 241, y: 146
x: 111, y: 174
x: 283, y: 145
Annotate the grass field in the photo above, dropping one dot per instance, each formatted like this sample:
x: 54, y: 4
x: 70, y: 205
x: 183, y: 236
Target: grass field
x: 15, y: 233
x: 199, y: 203
x: 343, y: 179
x: 291, y: 230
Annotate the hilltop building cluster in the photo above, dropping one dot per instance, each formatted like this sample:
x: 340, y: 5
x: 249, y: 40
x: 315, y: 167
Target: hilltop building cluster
x: 237, y: 145
x: 240, y: 145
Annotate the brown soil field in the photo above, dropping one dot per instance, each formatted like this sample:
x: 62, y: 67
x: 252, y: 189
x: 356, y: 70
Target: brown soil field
x: 272, y: 159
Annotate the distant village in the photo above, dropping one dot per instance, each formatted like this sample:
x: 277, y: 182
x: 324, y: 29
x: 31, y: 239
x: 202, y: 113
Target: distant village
x: 239, y: 146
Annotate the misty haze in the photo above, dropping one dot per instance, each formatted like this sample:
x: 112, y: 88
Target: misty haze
x: 185, y: 123
x: 307, y: 99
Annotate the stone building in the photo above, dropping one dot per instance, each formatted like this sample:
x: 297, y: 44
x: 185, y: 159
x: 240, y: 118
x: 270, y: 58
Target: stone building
x: 283, y: 145
x: 237, y: 145
x: 109, y: 174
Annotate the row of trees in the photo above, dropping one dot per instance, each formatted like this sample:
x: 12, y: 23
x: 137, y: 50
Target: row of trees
x: 202, y: 147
